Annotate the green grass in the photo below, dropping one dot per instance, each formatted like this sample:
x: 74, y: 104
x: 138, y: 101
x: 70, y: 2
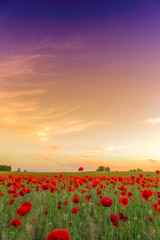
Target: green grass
x: 92, y: 222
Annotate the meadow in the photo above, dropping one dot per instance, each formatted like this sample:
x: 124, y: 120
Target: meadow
x: 89, y: 205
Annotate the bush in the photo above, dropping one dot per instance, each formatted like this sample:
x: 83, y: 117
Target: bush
x: 102, y: 168
x: 5, y: 168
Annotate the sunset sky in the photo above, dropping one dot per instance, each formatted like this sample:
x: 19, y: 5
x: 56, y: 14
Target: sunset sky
x: 80, y: 84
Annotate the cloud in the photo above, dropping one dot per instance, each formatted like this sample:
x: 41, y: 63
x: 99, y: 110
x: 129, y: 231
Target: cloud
x: 102, y: 149
x: 147, y: 159
x: 16, y: 94
x: 55, y: 147
x: 43, y: 158
x: 88, y: 162
x: 153, y: 160
x: 151, y: 122
x: 22, y: 112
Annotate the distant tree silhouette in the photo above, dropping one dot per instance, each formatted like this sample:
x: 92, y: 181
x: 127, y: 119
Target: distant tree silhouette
x: 107, y: 169
x: 100, y: 168
x: 138, y: 170
x: 5, y: 168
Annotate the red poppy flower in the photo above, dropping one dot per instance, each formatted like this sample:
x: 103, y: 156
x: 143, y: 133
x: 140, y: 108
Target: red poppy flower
x: 23, y: 211
x: 76, y: 199
x: 46, y: 212
x: 158, y: 194
x: 75, y: 209
x: 120, y: 179
x: 22, y: 193
x: 156, y: 207
x: 95, y: 183
x: 114, y: 220
x: 10, y: 202
x: 80, y: 169
x: 59, y: 234
x: 146, y: 194
x: 124, y: 201
x: 87, y: 197
x: 15, y: 195
x: 99, y: 192
x: 16, y: 222
x: 150, y: 219
x: 130, y: 194
x: 26, y: 204
x: 116, y: 192
x: 122, y: 217
x: 106, y: 201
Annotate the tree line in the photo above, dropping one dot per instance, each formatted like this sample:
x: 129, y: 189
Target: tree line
x: 102, y: 168
x: 5, y: 168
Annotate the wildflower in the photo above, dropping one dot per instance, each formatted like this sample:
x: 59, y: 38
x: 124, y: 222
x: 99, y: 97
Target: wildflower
x: 158, y: 194
x: 10, y: 202
x: 59, y: 206
x: 124, y: 201
x: 80, y: 169
x: 23, y: 211
x: 75, y: 209
x: 150, y: 219
x: 59, y: 234
x: 122, y: 217
x: 88, y: 197
x: 106, y: 201
x: 76, y: 199
x: 16, y: 222
x: 146, y: 194
x: 114, y: 219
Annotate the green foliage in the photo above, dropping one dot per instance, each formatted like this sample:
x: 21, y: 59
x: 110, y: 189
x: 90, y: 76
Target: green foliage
x: 134, y: 170
x: 5, y: 168
x: 102, y: 168
x: 107, y: 169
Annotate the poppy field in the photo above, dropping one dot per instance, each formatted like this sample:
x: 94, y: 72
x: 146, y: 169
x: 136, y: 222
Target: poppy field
x: 79, y: 206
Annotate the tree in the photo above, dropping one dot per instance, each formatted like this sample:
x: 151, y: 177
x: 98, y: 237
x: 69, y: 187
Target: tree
x: 139, y: 170
x: 18, y: 170
x: 107, y: 169
x: 100, y: 168
x: 5, y: 168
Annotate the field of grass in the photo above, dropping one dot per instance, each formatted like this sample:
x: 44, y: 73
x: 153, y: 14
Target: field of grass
x: 53, y: 195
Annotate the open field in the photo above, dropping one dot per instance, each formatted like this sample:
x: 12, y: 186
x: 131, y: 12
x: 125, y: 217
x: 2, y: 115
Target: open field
x: 86, y: 204
x: 91, y: 173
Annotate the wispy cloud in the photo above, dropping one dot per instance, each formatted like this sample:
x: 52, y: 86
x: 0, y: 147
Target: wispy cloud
x: 43, y: 158
x: 102, y: 149
x: 55, y: 147
x: 153, y: 160
x: 23, y: 112
x: 17, y: 94
x: 88, y: 162
x: 146, y: 159
x: 150, y: 122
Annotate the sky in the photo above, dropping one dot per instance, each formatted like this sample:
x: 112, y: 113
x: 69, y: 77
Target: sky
x: 79, y: 84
